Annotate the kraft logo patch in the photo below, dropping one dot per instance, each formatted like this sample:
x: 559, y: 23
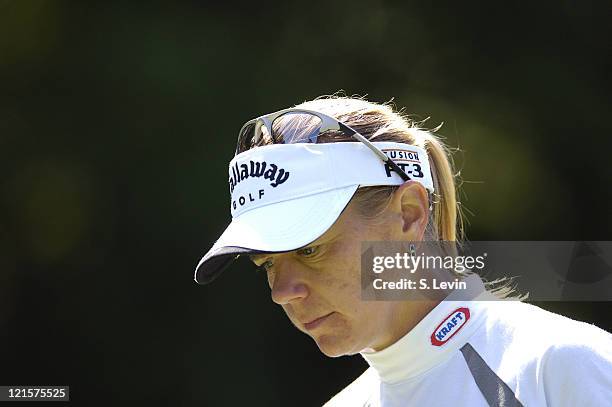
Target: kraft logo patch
x: 450, y: 326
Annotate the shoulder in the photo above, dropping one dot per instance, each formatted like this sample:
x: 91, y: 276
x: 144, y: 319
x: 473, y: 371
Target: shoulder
x: 530, y: 330
x: 569, y: 362
x: 358, y: 393
x: 577, y: 368
x: 521, y: 321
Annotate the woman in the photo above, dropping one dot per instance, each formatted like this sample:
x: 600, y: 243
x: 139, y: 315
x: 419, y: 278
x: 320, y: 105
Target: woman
x: 309, y: 185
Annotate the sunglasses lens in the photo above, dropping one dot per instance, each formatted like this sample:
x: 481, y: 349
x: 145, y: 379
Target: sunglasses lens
x: 245, y: 138
x: 291, y: 128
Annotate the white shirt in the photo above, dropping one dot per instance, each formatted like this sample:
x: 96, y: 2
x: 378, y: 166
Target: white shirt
x: 505, y: 353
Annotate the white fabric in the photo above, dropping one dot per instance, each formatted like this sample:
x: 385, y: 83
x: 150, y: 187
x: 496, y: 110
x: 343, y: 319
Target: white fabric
x: 297, y: 170
x: 280, y: 228
x: 544, y: 358
x: 284, y: 196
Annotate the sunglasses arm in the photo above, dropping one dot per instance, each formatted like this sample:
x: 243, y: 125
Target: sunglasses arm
x: 377, y: 151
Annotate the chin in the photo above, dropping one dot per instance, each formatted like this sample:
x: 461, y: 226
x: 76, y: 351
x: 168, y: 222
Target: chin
x: 334, y: 346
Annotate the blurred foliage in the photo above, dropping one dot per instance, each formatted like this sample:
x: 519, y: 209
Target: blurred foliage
x: 117, y: 122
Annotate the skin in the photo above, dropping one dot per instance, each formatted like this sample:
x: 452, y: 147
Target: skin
x: 319, y: 286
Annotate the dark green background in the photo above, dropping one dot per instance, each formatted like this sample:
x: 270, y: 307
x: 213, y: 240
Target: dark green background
x: 116, y: 125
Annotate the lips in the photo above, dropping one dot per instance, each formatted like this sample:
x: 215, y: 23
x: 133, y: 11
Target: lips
x: 316, y: 322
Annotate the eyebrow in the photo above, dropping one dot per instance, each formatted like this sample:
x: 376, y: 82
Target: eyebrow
x: 259, y: 257
x: 255, y: 257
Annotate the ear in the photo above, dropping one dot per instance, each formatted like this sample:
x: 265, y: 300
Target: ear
x: 411, y: 202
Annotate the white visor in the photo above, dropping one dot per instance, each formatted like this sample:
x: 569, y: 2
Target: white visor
x: 285, y: 196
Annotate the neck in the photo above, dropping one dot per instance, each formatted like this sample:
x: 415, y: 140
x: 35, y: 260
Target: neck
x: 416, y: 352
x: 403, y: 317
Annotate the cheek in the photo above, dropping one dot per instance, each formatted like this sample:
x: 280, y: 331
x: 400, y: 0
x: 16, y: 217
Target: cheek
x: 287, y: 309
x: 342, y: 286
x: 341, y: 277
x: 290, y: 314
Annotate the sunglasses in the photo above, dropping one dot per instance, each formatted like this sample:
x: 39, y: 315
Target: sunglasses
x: 291, y: 126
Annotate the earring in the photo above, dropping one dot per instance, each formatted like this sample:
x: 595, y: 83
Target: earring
x: 412, y: 250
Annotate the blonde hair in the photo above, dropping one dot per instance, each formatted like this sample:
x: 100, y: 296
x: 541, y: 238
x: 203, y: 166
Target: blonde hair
x: 381, y: 122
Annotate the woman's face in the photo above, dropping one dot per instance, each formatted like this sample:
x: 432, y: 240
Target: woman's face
x: 319, y: 286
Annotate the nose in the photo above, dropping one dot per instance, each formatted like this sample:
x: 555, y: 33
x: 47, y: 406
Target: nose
x: 288, y: 285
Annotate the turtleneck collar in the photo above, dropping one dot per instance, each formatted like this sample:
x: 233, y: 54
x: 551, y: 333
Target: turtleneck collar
x: 429, y: 343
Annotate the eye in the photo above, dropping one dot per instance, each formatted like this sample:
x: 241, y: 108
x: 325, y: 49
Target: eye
x: 308, y: 251
x: 265, y: 266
